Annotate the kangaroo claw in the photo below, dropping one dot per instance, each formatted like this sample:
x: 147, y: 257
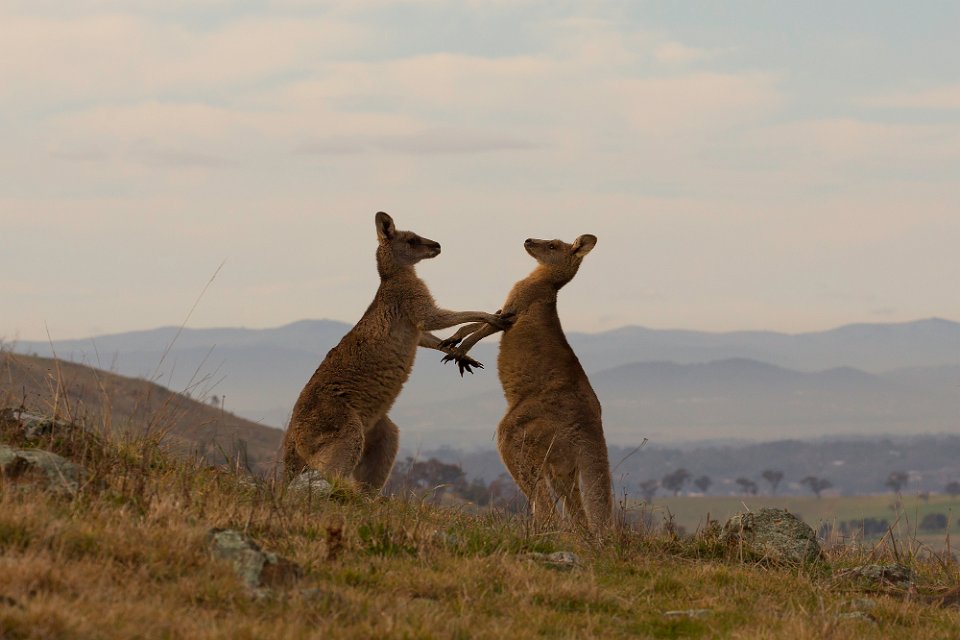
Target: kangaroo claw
x: 464, y: 363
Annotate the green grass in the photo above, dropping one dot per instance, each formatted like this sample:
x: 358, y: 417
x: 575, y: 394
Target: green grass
x: 129, y: 557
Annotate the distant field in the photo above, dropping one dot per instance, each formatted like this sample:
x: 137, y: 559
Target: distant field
x: 690, y: 512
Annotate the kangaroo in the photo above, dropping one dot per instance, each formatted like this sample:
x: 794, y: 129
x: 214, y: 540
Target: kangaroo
x: 551, y: 436
x: 339, y: 424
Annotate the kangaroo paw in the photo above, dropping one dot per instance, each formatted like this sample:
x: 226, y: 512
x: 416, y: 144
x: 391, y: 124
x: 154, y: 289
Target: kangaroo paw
x: 464, y: 362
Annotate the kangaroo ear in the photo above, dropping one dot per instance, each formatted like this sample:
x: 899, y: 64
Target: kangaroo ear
x: 385, y: 228
x: 583, y: 245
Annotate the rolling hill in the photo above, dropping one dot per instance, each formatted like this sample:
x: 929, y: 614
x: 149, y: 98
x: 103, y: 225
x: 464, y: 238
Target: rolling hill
x: 117, y: 403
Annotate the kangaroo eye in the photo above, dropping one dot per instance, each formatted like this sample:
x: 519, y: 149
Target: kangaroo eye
x: 551, y: 246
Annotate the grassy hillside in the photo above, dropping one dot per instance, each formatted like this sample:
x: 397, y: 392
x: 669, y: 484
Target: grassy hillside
x: 113, y: 403
x: 128, y: 555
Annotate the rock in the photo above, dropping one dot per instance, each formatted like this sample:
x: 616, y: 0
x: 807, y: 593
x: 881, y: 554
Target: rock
x: 772, y: 534
x: 56, y: 472
x: 34, y: 426
x: 257, y: 568
x: 894, y: 574
x: 312, y: 482
x: 688, y: 613
x: 859, y: 604
x: 856, y: 615
x: 562, y: 560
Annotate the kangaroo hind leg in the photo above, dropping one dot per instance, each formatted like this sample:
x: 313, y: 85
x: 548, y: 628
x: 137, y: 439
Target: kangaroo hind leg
x: 379, y: 452
x: 566, y: 484
x: 334, y: 444
x: 596, y: 486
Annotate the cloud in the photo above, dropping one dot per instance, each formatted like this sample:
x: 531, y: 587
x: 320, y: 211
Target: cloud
x: 151, y: 154
x: 104, y: 56
x: 944, y: 97
x: 428, y: 142
x: 679, y: 53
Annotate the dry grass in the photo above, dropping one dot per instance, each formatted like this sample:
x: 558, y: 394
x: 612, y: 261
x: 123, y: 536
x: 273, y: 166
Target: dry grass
x: 128, y: 557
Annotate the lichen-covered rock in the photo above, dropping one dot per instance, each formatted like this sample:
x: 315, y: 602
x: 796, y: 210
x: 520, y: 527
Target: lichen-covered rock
x: 311, y: 481
x: 257, y: 568
x: 32, y: 425
x: 687, y: 613
x: 894, y: 574
x: 772, y: 534
x: 35, y: 465
x: 562, y: 560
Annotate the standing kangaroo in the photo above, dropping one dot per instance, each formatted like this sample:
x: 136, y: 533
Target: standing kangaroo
x: 551, y: 436
x: 339, y: 424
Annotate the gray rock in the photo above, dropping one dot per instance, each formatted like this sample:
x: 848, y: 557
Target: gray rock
x: 562, y: 560
x: 56, y: 472
x: 856, y: 615
x: 34, y: 426
x: 312, y: 482
x: 894, y: 574
x: 860, y: 604
x: 688, y: 613
x: 772, y: 534
x: 260, y: 570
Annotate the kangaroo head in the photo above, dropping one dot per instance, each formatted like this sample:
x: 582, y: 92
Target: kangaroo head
x: 398, y: 249
x: 559, y: 259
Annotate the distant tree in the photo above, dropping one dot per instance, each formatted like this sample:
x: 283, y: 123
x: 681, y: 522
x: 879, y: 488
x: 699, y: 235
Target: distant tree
x: 817, y: 485
x: 953, y: 488
x: 425, y: 477
x: 867, y: 527
x: 934, y: 522
x: 773, y: 476
x: 648, y: 489
x: 747, y: 486
x: 505, y: 494
x: 675, y: 480
x: 703, y: 483
x: 476, y: 492
x: 897, y: 480
x: 215, y: 400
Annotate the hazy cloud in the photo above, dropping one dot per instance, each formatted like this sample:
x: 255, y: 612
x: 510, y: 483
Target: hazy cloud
x: 155, y: 155
x: 727, y: 163
x: 437, y: 141
x: 944, y: 97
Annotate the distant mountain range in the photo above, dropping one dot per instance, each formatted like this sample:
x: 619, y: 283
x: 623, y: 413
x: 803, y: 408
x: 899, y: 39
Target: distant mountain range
x: 666, y: 385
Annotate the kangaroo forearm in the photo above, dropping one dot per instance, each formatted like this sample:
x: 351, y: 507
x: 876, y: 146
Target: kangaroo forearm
x: 475, y: 337
x: 441, y: 318
x: 431, y: 341
x: 464, y: 331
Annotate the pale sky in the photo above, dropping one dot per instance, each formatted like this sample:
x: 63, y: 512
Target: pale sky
x: 745, y: 165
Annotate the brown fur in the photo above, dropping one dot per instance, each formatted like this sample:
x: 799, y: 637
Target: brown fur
x: 551, y: 437
x: 339, y: 424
